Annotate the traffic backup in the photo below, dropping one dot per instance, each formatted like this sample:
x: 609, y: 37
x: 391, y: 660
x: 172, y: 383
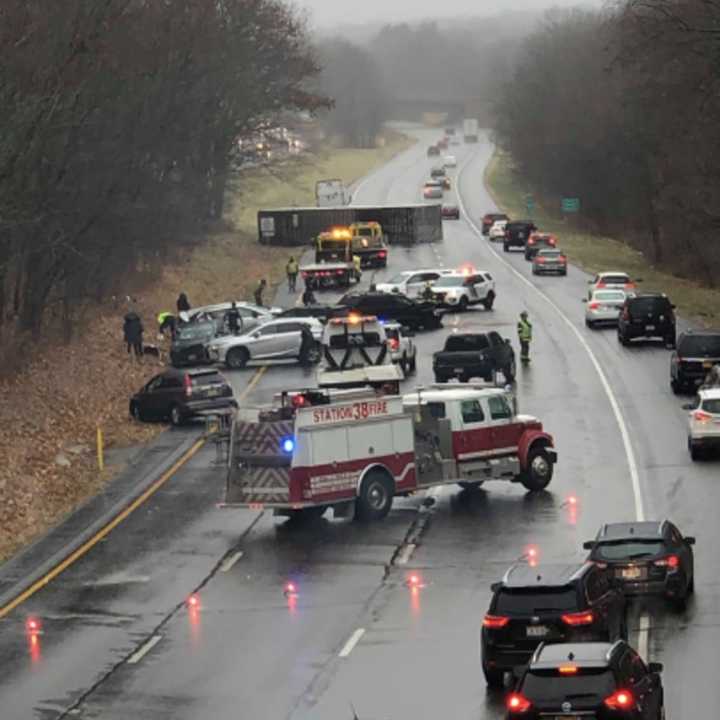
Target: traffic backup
x: 353, y: 450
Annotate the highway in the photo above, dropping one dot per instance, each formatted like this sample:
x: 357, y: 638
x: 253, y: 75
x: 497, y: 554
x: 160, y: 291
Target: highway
x: 120, y: 640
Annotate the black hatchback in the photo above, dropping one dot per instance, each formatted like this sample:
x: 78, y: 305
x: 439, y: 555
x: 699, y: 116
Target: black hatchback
x: 189, y: 347
x: 695, y: 356
x: 547, y: 603
x: 517, y: 233
x: 647, y: 315
x: 179, y: 395
x: 646, y: 558
x: 588, y: 681
x: 414, y: 314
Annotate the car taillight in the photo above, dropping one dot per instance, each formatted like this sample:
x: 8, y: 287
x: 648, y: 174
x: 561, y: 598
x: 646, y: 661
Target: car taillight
x: 393, y: 344
x: 671, y: 561
x: 601, y: 285
x: 187, y: 384
x: 629, y: 285
x: 382, y: 254
x: 518, y: 703
x: 701, y: 416
x: 540, y: 260
x: 578, y: 619
x: 552, y: 241
x: 563, y: 258
x: 620, y: 700
x: 531, y: 241
x: 594, y: 305
x: 339, y: 272
x: 495, y: 622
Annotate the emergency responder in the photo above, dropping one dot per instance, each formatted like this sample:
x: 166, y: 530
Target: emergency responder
x: 233, y: 319
x: 133, y: 332
x: 259, y: 290
x: 357, y: 262
x: 167, y: 323
x: 307, y: 345
x: 291, y: 269
x: 427, y: 293
x: 182, y: 303
x: 524, y: 329
x: 308, y: 296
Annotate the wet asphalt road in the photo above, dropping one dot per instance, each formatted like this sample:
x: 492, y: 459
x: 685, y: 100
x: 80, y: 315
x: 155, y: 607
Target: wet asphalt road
x: 119, y: 640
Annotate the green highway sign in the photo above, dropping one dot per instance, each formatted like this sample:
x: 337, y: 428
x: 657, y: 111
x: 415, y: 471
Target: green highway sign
x: 571, y: 205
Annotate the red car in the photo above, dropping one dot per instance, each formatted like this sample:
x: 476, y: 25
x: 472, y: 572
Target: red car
x: 450, y: 212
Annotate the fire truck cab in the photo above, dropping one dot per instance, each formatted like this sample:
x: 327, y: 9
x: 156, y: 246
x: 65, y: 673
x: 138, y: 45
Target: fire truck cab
x: 355, y: 450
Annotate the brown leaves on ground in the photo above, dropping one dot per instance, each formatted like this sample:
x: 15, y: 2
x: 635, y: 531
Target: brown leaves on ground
x: 51, y: 410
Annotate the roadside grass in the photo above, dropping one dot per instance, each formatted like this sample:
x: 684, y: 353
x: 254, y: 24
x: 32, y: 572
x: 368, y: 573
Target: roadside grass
x: 52, y: 408
x: 594, y: 252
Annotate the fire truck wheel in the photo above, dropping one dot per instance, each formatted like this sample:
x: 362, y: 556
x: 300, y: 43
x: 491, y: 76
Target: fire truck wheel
x: 539, y: 469
x: 376, y: 496
x: 237, y: 358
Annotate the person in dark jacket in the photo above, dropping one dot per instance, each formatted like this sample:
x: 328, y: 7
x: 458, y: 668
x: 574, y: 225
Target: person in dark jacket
x: 183, y: 304
x: 233, y: 319
x: 133, y: 332
x: 259, y: 290
x: 308, y: 296
x: 307, y: 344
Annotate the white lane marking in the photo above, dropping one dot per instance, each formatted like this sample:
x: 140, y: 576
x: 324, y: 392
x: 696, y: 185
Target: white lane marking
x: 353, y: 640
x: 644, y: 636
x: 229, y: 562
x: 629, y: 452
x: 136, y: 657
x: 405, y: 553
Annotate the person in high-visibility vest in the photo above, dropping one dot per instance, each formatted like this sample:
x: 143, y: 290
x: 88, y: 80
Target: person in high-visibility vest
x: 291, y: 269
x: 357, y: 262
x: 524, y: 329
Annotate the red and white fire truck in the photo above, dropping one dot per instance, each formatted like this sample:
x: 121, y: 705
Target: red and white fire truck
x: 356, y: 450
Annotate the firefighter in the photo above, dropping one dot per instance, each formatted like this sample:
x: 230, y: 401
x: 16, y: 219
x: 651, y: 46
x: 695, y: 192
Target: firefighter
x: 291, y: 269
x: 524, y: 336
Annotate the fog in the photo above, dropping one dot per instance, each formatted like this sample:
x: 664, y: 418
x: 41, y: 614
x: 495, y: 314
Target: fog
x: 325, y: 13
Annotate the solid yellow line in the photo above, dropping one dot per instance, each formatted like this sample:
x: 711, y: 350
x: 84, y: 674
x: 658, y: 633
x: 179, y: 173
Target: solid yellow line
x: 123, y: 515
x: 89, y: 544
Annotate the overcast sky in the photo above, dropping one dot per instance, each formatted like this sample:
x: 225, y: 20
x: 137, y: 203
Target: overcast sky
x: 325, y: 13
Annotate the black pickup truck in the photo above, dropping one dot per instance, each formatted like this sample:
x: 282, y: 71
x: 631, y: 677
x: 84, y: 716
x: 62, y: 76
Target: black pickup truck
x: 471, y: 355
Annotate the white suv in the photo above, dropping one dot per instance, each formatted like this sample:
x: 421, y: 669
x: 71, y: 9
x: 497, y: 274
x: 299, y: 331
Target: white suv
x: 401, y: 347
x: 497, y: 230
x: 411, y: 283
x: 704, y: 422
x: 459, y: 291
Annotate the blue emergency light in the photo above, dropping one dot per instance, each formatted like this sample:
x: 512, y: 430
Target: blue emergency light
x: 288, y: 445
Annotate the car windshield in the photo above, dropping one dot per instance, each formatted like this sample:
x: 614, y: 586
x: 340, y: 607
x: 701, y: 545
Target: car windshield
x: 549, y: 686
x: 609, y: 295
x: 550, y: 253
x: 700, y: 345
x: 711, y: 406
x: 615, y: 279
x: 399, y: 278
x: 649, y: 305
x: 625, y: 550
x: 466, y: 343
x: 196, y: 331
x: 450, y: 281
x: 529, y: 601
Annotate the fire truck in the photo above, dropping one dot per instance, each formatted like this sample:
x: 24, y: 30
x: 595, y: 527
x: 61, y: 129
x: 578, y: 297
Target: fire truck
x: 354, y: 450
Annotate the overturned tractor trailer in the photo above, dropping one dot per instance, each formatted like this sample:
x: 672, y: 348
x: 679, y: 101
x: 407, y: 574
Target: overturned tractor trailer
x: 355, y: 450
x: 408, y: 224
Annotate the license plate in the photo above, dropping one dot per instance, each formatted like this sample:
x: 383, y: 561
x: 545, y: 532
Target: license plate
x: 212, y: 392
x: 536, y: 631
x: 649, y: 327
x: 458, y: 371
x: 630, y: 573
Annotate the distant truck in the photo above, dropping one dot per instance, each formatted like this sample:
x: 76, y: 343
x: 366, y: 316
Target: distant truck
x: 335, y: 264
x: 470, y: 130
x: 331, y: 193
x: 401, y: 224
x: 368, y: 243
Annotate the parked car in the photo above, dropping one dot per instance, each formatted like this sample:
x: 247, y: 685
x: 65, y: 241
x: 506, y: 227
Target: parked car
x: 411, y: 282
x: 474, y: 355
x: 490, y: 218
x: 458, y: 291
x: 179, y: 395
x: 401, y: 347
x: 590, y: 681
x: 450, y: 212
x: 433, y: 190
x: 647, y: 315
x: 646, y: 558
x: 548, y: 603
x: 414, y: 314
x: 189, y: 346
x: 446, y: 183
x: 549, y: 260
x: 696, y: 354
x: 538, y: 241
x: 704, y: 422
x: 604, y: 307
x: 497, y: 230
x: 279, y: 339
x: 517, y: 233
x: 613, y: 281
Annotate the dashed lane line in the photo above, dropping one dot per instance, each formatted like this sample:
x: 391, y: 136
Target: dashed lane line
x: 352, y: 641
x: 136, y: 657
x: 229, y: 562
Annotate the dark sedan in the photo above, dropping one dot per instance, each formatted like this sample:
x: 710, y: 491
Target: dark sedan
x: 415, y: 314
x: 189, y: 345
x: 647, y: 558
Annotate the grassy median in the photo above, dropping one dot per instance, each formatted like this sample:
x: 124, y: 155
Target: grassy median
x: 51, y: 410
x: 593, y: 252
